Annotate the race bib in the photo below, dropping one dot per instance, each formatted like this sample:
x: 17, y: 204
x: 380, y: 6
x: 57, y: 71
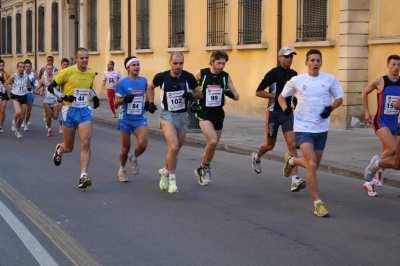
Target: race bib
x: 213, y: 95
x: 81, y: 98
x: 389, y: 105
x: 175, y: 100
x: 136, y: 106
x: 22, y: 87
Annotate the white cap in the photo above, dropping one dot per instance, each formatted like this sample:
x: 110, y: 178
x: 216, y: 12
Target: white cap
x: 285, y: 51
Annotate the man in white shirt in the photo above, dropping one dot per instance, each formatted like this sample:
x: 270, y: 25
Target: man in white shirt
x: 314, y: 92
x: 111, y: 76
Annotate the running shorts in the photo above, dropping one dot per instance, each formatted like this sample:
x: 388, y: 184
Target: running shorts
x: 18, y: 98
x: 214, y: 115
x: 129, y: 126
x: 72, y: 116
x: 318, y: 139
x: 179, y: 120
x: 274, y: 120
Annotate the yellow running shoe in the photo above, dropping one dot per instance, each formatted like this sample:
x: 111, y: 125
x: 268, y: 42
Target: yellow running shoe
x: 320, y: 210
x: 287, y: 168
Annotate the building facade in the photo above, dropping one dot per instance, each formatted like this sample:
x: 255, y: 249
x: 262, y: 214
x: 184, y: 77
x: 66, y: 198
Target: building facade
x: 355, y: 38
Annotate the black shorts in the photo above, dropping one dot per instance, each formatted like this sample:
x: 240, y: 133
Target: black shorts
x: 4, y: 96
x: 274, y: 120
x: 21, y: 99
x: 215, y: 115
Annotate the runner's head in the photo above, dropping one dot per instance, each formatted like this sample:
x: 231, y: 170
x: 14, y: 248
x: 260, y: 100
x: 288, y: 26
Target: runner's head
x: 50, y: 60
x: 49, y: 70
x: 393, y: 64
x: 313, y: 62
x: 2, y: 64
x: 132, y: 64
x: 82, y: 58
x: 110, y: 65
x: 218, y: 61
x: 64, y: 63
x: 176, y: 61
x: 28, y: 66
x: 20, y: 68
x: 285, y: 57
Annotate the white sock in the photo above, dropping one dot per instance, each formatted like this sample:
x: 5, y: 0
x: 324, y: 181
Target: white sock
x: 377, y: 163
x: 316, y: 202
x: 294, y: 178
x: 172, y: 176
x: 291, y: 161
x: 166, y: 172
x: 122, y: 168
x: 83, y: 175
x: 48, y: 129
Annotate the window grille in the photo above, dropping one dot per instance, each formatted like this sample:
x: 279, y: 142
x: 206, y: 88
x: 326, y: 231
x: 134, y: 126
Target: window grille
x: 9, y: 35
x: 18, y: 33
x: 176, y: 23
x: 40, y: 29
x: 115, y: 25
x: 3, y: 35
x: 311, y: 20
x: 216, y: 22
x: 54, y: 27
x: 92, y: 25
x: 29, y: 31
x: 250, y: 21
x: 142, y: 24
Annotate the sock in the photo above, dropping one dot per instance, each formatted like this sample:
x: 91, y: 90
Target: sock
x: 294, y: 178
x: 133, y: 158
x: 172, y: 176
x: 48, y: 129
x: 206, y: 166
x: 316, y: 202
x: 83, y: 175
x: 166, y: 172
x: 380, y: 168
x: 256, y: 156
x: 122, y: 168
x: 291, y: 161
x: 377, y: 163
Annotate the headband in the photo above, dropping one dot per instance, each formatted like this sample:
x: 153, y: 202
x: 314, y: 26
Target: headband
x: 133, y: 59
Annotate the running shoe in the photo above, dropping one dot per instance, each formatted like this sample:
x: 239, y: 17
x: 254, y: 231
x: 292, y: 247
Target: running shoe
x: 172, y: 188
x: 13, y: 126
x: 49, y: 133
x: 287, y: 168
x: 199, y: 173
x: 26, y: 128
x: 370, y: 188
x: 134, y: 165
x: 122, y: 176
x: 1, y: 130
x: 28, y: 123
x: 18, y: 135
x: 320, y: 210
x: 207, y: 175
x: 256, y: 163
x: 114, y: 116
x: 371, y: 170
x: 164, y: 179
x: 60, y: 130
x: 378, y: 179
x: 84, y: 182
x: 56, y: 156
x: 297, y: 185
x: 23, y: 123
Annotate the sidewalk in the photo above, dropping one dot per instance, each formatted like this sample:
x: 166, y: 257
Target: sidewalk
x: 347, y: 152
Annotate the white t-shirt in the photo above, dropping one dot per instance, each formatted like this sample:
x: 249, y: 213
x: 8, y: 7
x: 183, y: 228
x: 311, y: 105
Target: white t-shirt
x: 313, y: 95
x: 112, y: 77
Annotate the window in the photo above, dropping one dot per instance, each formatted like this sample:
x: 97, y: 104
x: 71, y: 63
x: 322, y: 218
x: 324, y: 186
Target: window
x: 9, y: 35
x: 176, y: 23
x: 41, y: 29
x: 115, y: 25
x: 29, y: 31
x: 216, y: 23
x: 142, y: 24
x: 3, y: 36
x: 311, y: 20
x: 92, y: 25
x: 54, y: 27
x: 18, y: 33
x: 250, y: 21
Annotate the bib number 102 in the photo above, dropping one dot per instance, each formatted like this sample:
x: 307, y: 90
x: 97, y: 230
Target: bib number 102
x: 176, y: 101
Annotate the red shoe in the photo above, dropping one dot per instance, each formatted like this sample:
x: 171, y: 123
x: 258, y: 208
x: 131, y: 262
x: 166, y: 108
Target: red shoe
x: 370, y: 188
x: 49, y: 133
x: 378, y: 179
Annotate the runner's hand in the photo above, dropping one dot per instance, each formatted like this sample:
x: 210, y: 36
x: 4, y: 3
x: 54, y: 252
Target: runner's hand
x: 69, y: 98
x: 129, y: 98
x: 368, y: 117
x: 288, y: 111
x: 187, y: 95
x: 96, y: 102
x: 152, y: 108
x: 327, y: 112
x: 229, y: 93
x: 146, y: 106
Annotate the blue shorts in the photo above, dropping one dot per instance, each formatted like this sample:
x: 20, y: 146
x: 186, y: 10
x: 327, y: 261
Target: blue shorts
x: 72, y: 116
x: 129, y: 126
x: 29, y: 98
x: 318, y: 139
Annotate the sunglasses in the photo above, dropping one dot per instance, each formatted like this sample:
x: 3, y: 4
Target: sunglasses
x: 288, y: 56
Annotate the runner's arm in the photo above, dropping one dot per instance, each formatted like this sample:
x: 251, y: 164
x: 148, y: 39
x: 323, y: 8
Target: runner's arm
x: 374, y: 85
x: 39, y: 85
x: 8, y: 82
x: 232, y: 88
x: 267, y: 81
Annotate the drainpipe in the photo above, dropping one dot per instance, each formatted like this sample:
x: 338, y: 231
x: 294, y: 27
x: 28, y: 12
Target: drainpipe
x: 129, y: 28
x: 35, y: 42
x: 76, y: 22
x: 0, y: 28
x: 279, y: 30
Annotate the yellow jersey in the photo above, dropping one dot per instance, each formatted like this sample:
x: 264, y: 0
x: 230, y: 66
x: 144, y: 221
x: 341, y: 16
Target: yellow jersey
x: 74, y: 82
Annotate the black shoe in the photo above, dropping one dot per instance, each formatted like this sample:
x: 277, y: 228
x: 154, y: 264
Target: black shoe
x: 199, y: 173
x: 56, y: 156
x: 85, y: 182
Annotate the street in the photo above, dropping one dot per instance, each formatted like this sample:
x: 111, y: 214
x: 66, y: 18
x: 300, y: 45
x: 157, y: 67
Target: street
x: 241, y: 219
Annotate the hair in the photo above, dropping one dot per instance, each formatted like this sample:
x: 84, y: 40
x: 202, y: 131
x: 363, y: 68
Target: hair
x: 393, y: 57
x: 64, y: 60
x: 112, y: 62
x: 2, y: 61
x: 217, y: 55
x: 313, y: 51
x: 27, y: 61
x: 80, y: 49
x: 49, y: 65
x: 50, y: 57
x: 20, y: 63
x: 177, y: 54
x: 126, y: 60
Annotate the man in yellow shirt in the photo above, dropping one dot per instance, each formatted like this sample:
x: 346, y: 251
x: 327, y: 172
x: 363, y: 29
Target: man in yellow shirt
x: 76, y: 112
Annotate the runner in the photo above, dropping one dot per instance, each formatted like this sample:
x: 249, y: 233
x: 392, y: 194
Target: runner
x: 33, y: 77
x: 276, y: 79
x: 21, y: 84
x: 64, y: 64
x: 215, y: 84
x: 50, y: 102
x: 50, y: 61
x: 112, y: 77
x: 177, y: 87
x: 76, y: 112
x: 131, y: 96
x: 314, y: 91
x: 384, y: 122
x: 3, y: 94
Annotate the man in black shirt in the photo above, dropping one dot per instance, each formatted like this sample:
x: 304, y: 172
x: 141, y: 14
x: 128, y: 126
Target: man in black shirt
x: 177, y: 87
x: 275, y: 80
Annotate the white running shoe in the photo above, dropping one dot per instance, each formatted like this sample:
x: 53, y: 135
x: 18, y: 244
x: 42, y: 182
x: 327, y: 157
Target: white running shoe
x: 1, y: 130
x: 26, y: 128
x: 370, y: 189
x: 371, y: 169
x: 256, y: 163
x: 13, y: 126
x: 207, y: 175
x: 23, y: 123
x: 60, y: 130
x: 297, y: 185
x: 172, y: 188
x: 18, y: 135
x: 122, y: 176
x: 28, y: 123
x: 164, y: 179
x: 134, y: 165
x: 378, y: 179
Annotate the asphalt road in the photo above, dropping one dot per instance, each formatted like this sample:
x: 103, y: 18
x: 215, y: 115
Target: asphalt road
x: 241, y: 219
